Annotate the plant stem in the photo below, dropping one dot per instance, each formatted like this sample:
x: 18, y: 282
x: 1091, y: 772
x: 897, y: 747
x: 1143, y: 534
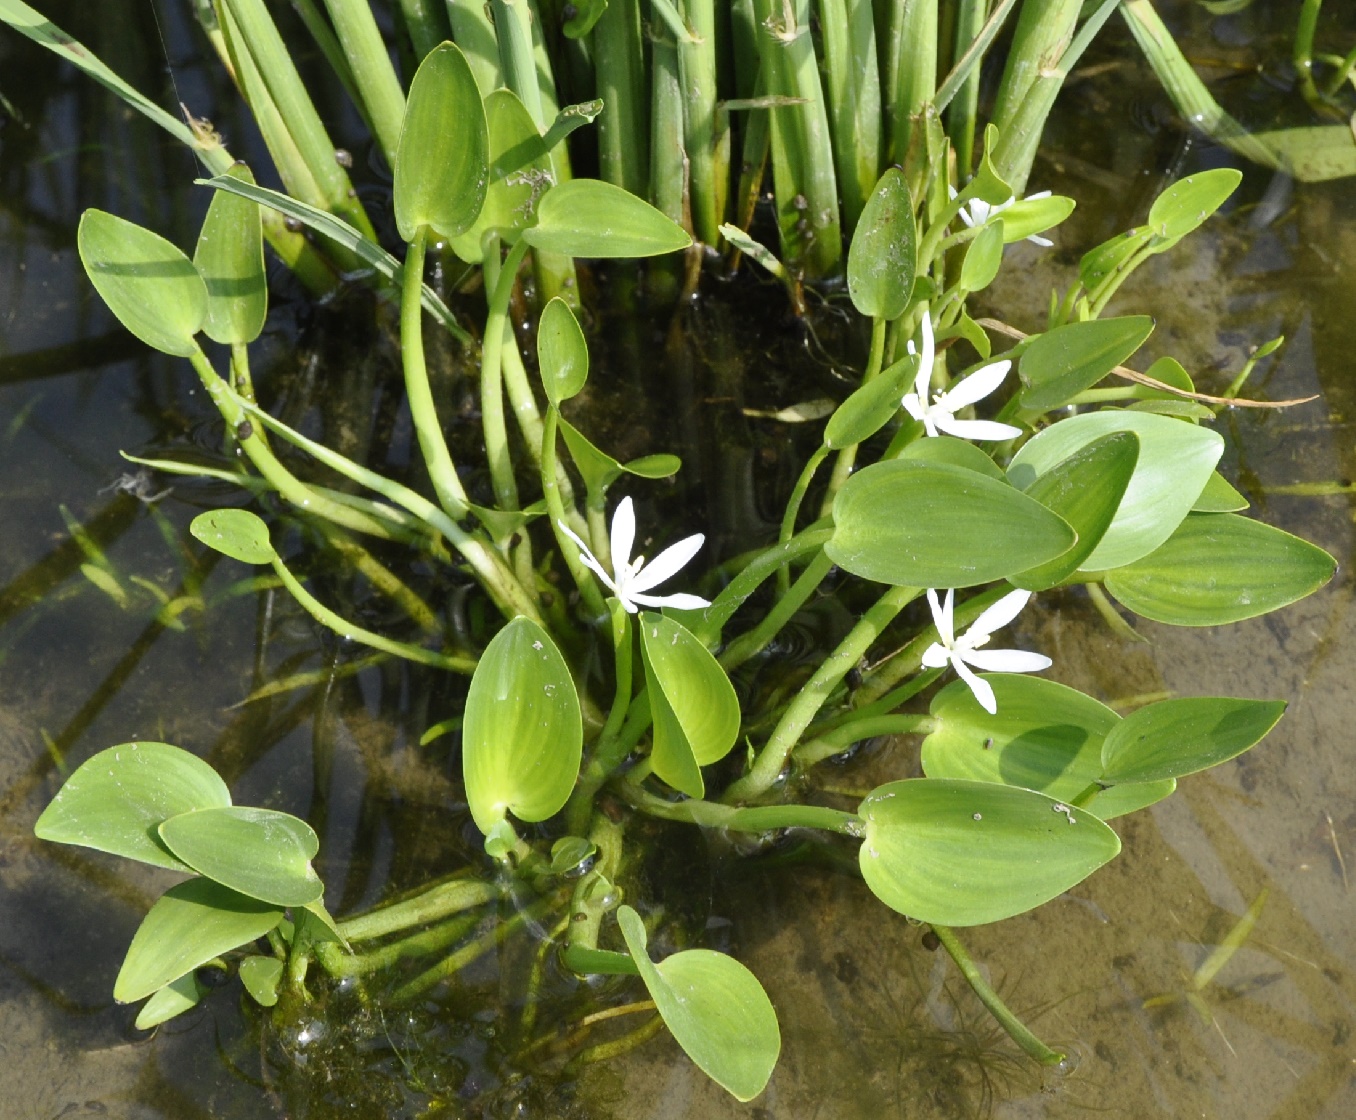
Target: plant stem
x: 793, y: 504
x: 840, y: 738
x: 771, y: 760
x: 439, y: 901
x: 373, y: 73
x: 847, y: 457
x: 1032, y: 1046
x: 491, y: 381
x: 607, y: 754
x: 761, y: 818
x: 619, y: 64
x: 555, y: 510
x: 708, y: 147
x: 340, y: 964
x: 730, y: 599
x: 752, y: 642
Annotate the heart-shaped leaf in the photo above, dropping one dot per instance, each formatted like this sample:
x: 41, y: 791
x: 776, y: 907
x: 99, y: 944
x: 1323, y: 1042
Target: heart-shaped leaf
x: 116, y: 801
x: 918, y: 524
x: 883, y: 255
x: 960, y: 853
x: 258, y: 852
x: 1174, y: 738
x: 696, y: 712
x: 1175, y: 460
x: 1218, y: 568
x: 562, y: 352
x: 1061, y: 363
x: 1086, y: 490
x: 236, y: 533
x: 173, y: 999
x: 590, y: 218
x: 189, y: 925
x: 523, y: 734
x: 152, y: 288
x: 442, y: 161
x: 715, y: 1009
x: 261, y: 975
x: 230, y: 260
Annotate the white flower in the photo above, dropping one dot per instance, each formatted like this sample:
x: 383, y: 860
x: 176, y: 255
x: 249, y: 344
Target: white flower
x: 977, y: 212
x: 631, y: 582
x: 940, y: 414
x: 965, y: 651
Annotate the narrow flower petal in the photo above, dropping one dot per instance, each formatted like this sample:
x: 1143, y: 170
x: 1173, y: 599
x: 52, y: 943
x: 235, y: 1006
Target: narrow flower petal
x: 941, y: 617
x: 1037, y: 196
x: 1006, y: 660
x: 936, y: 656
x: 922, y: 383
x: 666, y: 564
x: 680, y: 601
x: 913, y: 406
x: 999, y: 614
x: 586, y: 555
x: 980, y: 687
x: 1043, y: 242
x: 927, y: 355
x: 976, y: 387
x: 975, y: 429
x: 623, y: 535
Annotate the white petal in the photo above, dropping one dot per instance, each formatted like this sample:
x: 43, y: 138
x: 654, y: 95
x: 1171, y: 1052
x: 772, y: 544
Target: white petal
x: 999, y: 614
x: 680, y: 601
x: 1006, y: 660
x: 966, y: 218
x: 941, y: 617
x: 936, y: 656
x: 628, y: 604
x: 927, y: 355
x: 623, y: 534
x: 666, y: 564
x: 981, y: 688
x: 586, y: 555
x: 977, y: 386
x: 913, y: 406
x: 1037, y: 196
x: 1043, y: 242
x: 928, y: 425
x: 976, y: 429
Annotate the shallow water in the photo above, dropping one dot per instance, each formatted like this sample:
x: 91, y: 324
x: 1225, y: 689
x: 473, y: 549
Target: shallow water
x: 873, y: 1024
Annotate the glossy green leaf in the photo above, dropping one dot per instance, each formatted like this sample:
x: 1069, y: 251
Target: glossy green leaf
x: 116, y: 800
x: 189, y: 925
x: 1175, y: 460
x: 442, y: 162
x: 1111, y: 257
x: 1086, y: 489
x: 1061, y: 363
x: 581, y: 17
x: 696, y: 712
x: 1218, y: 568
x: 983, y: 257
x: 569, y: 852
x: 600, y: 470
x: 236, y: 533
x: 152, y: 288
x: 562, y: 352
x: 1045, y: 736
x: 1029, y: 216
x: 590, y: 218
x: 1190, y: 201
x: 523, y: 734
x: 261, y: 976
x: 1174, y: 738
x: 1171, y: 372
x: 520, y: 171
x: 870, y: 407
x: 1219, y: 497
x: 957, y: 452
x: 883, y: 256
x: 657, y: 466
x: 715, y: 1009
x: 173, y: 999
x: 917, y: 524
x: 961, y: 853
x: 230, y: 260
x: 258, y: 852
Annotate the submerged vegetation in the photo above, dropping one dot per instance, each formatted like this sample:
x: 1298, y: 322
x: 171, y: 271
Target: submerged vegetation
x: 603, y: 691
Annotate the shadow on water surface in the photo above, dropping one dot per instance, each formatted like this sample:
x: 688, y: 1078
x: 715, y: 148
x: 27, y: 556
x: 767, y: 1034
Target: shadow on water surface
x: 874, y: 1024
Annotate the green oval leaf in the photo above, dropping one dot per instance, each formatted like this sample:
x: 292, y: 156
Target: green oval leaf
x: 152, y: 288
x: 1175, y: 460
x: 1029, y: 216
x: 870, y: 406
x: 696, y: 712
x: 957, y: 452
x: 523, y: 734
x: 1219, y: 497
x: 562, y: 352
x: 1111, y: 257
x: 189, y: 925
x: 960, y: 853
x: 715, y: 1009
x: 258, y: 852
x: 918, y: 524
x: 442, y: 161
x: 1190, y: 201
x: 883, y: 256
x: 1061, y: 363
x: 1045, y: 736
x: 1218, y: 568
x: 173, y: 999
x: 1086, y: 490
x: 230, y: 259
x: 116, y: 801
x: 261, y: 976
x: 983, y: 257
x: 236, y: 533
x: 1174, y: 738
x: 590, y: 218
x: 657, y: 466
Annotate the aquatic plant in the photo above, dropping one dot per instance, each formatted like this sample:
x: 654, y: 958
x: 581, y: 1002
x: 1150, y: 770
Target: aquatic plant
x: 561, y: 760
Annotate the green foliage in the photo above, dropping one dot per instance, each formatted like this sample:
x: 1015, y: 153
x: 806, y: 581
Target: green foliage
x: 590, y: 218
x: 1061, y: 363
x: 173, y: 999
x: 1174, y: 738
x: 230, y: 260
x: 261, y: 976
x: 884, y: 252
x: 258, y: 852
x: 236, y: 533
x: 562, y: 352
x: 871, y: 406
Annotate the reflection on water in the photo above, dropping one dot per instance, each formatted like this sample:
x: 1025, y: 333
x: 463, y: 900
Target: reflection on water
x: 875, y: 1025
